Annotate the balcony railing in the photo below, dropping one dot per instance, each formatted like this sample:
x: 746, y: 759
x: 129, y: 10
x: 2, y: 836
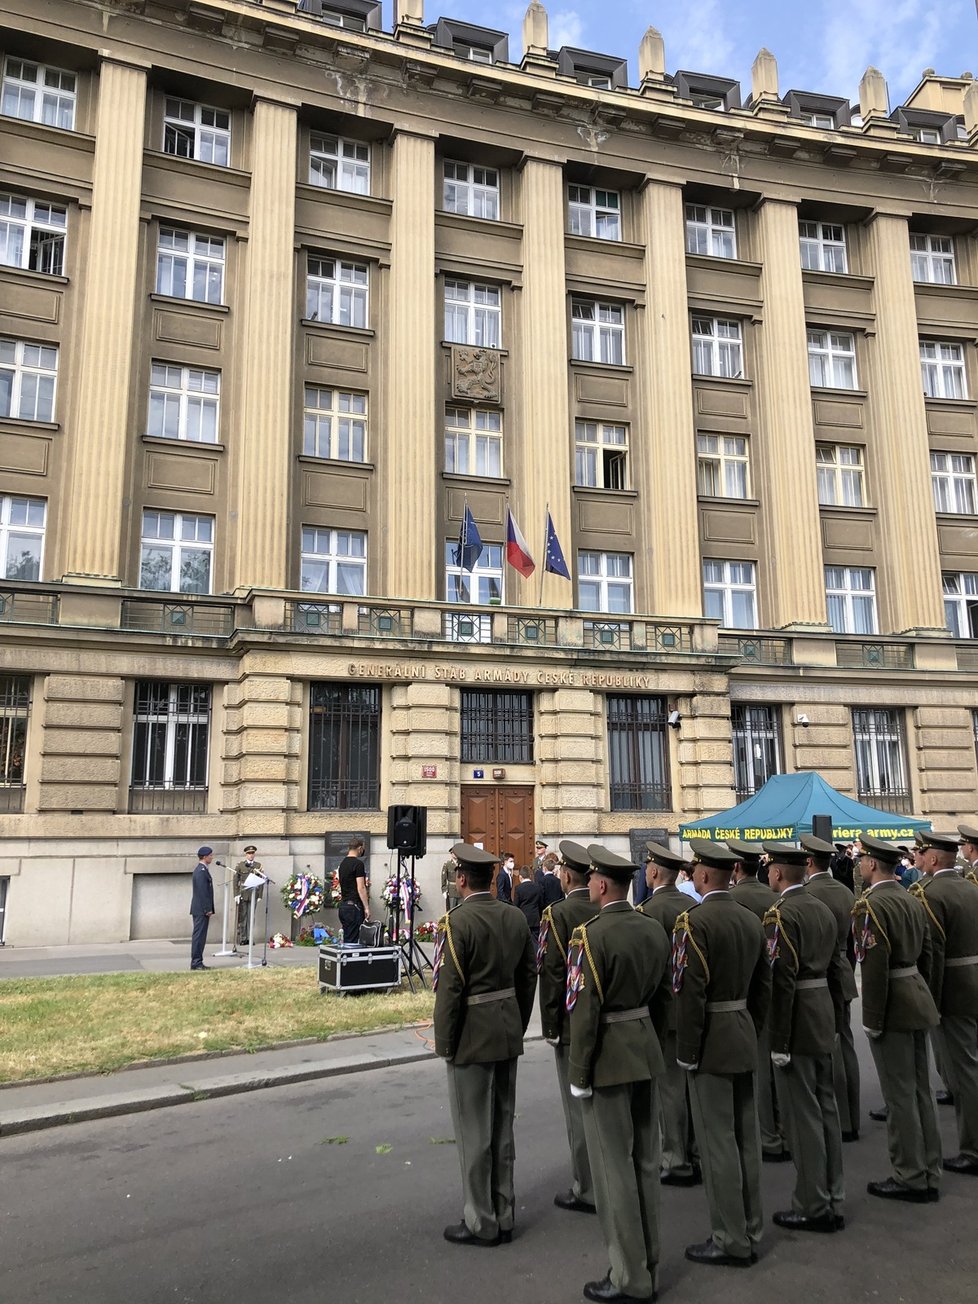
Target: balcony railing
x: 967, y: 657
x: 28, y: 608
x: 386, y: 622
x: 314, y: 617
x: 196, y: 619
x: 895, y: 800
x: 466, y: 627
x: 874, y: 656
x: 11, y: 798
x: 757, y: 649
x: 537, y: 631
x: 610, y: 635
x: 668, y: 638
x: 167, y: 801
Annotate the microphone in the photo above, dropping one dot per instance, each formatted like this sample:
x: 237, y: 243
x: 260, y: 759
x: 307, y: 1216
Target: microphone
x: 221, y: 863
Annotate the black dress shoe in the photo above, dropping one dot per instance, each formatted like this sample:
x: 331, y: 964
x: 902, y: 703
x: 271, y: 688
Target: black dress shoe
x: 879, y: 1115
x: 775, y: 1156
x: 933, y: 1195
x: 961, y: 1164
x: 891, y: 1189
x: 459, y: 1234
x: 944, y: 1098
x: 668, y: 1178
x: 710, y: 1252
x: 570, y: 1201
x: 850, y: 1136
x: 799, y: 1222
x: 605, y: 1293
x: 196, y: 968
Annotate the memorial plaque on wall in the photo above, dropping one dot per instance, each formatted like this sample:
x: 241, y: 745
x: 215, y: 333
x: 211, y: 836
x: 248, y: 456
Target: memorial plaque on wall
x: 338, y: 844
x: 637, y: 839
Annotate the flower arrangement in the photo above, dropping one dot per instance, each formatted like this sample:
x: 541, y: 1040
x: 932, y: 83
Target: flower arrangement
x: 279, y: 941
x: 335, y: 896
x: 409, y: 899
x: 316, y: 936
x: 303, y: 894
x: 426, y: 932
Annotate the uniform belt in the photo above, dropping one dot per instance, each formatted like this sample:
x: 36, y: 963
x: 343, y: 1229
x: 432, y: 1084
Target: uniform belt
x: 959, y: 961
x: 485, y: 998
x: 809, y: 984
x: 907, y: 972
x: 725, y: 1007
x: 626, y: 1016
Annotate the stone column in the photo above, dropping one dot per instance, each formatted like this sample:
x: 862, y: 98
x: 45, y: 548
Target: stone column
x: 107, y: 283
x: 792, y: 592
x: 910, y: 581
x: 411, y: 556
x: 665, y: 475
x: 262, y: 444
x: 570, y: 788
x: 546, y: 467
x: 262, y: 738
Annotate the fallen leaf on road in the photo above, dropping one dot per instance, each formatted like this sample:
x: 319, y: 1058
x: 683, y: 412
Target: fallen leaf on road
x: 384, y: 1149
x: 442, y: 1140
x: 334, y: 1140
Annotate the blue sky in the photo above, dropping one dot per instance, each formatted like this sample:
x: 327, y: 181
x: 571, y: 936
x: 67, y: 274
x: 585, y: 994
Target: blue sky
x: 824, y: 47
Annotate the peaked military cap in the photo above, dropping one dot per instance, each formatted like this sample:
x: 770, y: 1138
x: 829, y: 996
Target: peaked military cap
x: 665, y: 857
x: 749, y: 853
x: 784, y: 853
x: 714, y: 854
x: 937, y: 841
x: 968, y: 833
x: 606, y: 863
x: 879, y: 849
x: 575, y: 856
x: 250, y: 847
x: 817, y: 846
x: 468, y: 855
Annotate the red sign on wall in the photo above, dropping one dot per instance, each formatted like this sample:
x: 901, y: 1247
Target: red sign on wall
x: 429, y: 771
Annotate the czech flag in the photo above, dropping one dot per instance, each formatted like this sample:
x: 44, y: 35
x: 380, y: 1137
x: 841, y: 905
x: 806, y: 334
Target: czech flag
x: 517, y: 553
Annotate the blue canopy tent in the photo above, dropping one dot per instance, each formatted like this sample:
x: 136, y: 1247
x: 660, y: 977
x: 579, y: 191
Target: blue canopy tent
x: 782, y: 810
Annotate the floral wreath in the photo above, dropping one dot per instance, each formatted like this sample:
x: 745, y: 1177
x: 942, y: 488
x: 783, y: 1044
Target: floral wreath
x: 302, y: 895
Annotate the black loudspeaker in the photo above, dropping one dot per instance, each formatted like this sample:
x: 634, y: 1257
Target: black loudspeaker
x: 822, y: 827
x: 407, y: 829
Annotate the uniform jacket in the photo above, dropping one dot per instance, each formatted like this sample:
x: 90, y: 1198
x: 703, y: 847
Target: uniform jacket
x: 559, y: 922
x: 241, y: 871
x: 483, y: 946
x: 834, y: 894
x: 753, y: 894
x: 721, y: 955
x: 951, y: 903
x: 803, y: 946
x: 666, y: 904
x: 504, y: 885
x: 202, y: 889
x: 621, y: 960
x: 890, y: 931
x: 552, y: 891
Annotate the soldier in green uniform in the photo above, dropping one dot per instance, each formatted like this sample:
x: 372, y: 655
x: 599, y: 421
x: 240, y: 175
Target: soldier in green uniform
x: 969, y: 851
x: 952, y: 911
x: 748, y: 890
x: 807, y: 1003
x: 666, y: 904
x: 485, y: 977
x: 833, y: 893
x: 892, y: 940
x: 722, y: 982
x: 556, y: 926
x: 618, y: 980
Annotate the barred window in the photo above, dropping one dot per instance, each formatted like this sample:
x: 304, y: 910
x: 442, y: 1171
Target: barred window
x: 497, y: 727
x: 344, y: 747
x: 171, y: 725
x: 638, y: 754
x: 756, y: 746
x: 15, y: 705
x: 881, y: 764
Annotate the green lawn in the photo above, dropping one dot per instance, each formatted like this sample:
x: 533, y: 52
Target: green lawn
x: 97, y: 1023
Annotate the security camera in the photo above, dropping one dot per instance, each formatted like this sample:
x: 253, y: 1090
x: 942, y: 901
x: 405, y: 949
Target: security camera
x: 673, y: 719
x: 803, y: 720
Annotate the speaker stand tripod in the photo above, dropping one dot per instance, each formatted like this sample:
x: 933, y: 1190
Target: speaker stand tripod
x: 415, y: 960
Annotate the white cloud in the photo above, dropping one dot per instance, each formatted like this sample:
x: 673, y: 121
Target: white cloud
x: 566, y: 28
x: 704, y: 45
x: 900, y: 37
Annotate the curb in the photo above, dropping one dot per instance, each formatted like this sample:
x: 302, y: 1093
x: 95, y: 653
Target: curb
x: 35, y: 1118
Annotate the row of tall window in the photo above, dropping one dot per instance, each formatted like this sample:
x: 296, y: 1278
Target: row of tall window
x: 177, y: 556
x: 191, y: 130
x: 171, y: 727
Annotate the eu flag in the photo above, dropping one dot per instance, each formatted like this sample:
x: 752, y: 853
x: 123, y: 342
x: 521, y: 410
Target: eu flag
x: 553, y: 553
x: 469, y: 548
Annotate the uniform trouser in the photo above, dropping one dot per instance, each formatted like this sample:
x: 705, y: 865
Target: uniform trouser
x: 199, y: 940
x: 958, y: 1039
x: 581, y: 1183
x: 242, y: 920
x: 725, y: 1119
x: 622, y: 1133
x: 483, y: 1103
x: 845, y: 1072
x: 806, y: 1097
x: 674, y: 1113
x: 911, y: 1124
x: 772, y: 1141
x: 937, y: 1047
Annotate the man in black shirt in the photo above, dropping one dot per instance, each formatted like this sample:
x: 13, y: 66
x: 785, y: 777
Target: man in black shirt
x: 529, y: 898
x: 354, y: 903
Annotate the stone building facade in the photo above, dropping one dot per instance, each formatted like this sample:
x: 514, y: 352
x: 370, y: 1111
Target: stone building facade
x: 286, y: 299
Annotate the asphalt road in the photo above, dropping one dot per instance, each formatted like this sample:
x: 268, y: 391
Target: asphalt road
x: 242, y: 1200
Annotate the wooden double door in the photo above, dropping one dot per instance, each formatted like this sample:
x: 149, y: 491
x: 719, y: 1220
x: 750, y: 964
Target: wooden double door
x: 500, y: 819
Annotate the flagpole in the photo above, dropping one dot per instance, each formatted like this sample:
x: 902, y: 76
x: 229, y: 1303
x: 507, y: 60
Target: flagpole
x: 543, y: 564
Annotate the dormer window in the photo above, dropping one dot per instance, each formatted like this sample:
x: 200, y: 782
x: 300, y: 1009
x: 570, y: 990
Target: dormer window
x: 824, y: 121
x: 599, y: 72
x: 823, y: 112
x: 350, y: 15
x: 598, y: 81
x: 481, y: 45
x: 926, y: 126
x: 718, y: 94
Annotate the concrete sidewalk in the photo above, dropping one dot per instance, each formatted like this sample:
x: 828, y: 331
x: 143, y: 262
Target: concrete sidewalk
x: 159, y: 956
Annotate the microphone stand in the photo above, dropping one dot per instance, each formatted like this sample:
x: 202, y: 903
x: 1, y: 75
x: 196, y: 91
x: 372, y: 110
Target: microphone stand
x: 264, y: 947
x: 224, y: 928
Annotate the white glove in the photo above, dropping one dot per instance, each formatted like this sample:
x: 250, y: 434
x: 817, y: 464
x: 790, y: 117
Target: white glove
x: 237, y: 900
x: 552, y: 1041
x: 780, y: 1061
x: 873, y: 1033
x: 690, y: 1068
x: 580, y: 1093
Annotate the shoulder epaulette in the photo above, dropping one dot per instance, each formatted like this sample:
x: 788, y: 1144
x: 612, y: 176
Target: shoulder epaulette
x: 772, y: 918
x: 920, y: 892
x: 682, y: 938
x: 444, y: 939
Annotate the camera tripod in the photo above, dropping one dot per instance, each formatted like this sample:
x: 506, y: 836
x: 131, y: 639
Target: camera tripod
x: 415, y: 960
